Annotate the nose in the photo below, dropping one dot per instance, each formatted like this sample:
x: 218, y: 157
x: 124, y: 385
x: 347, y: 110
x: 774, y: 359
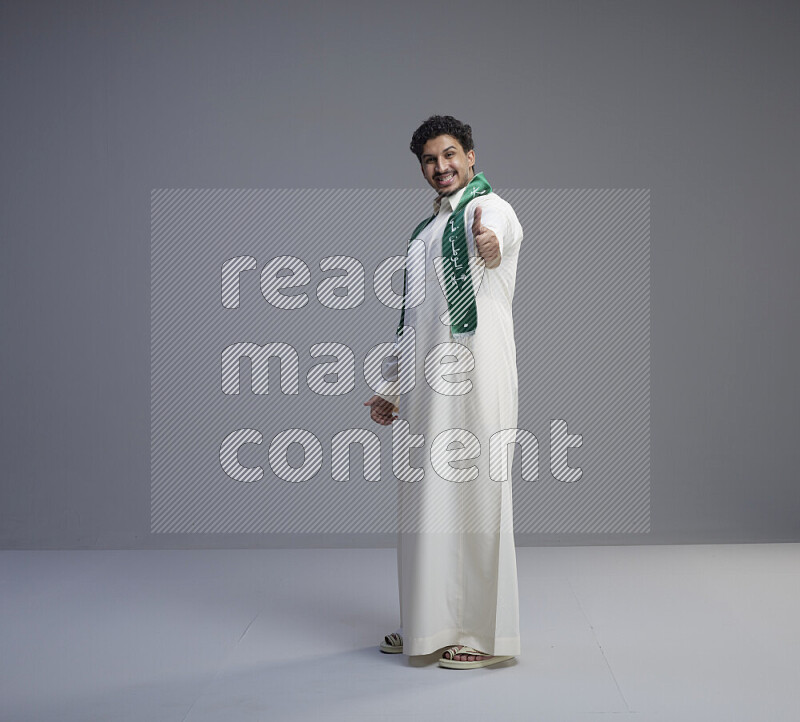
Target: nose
x: 440, y: 164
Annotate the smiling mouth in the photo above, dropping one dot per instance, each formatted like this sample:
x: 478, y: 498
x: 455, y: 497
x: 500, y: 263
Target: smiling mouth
x: 445, y: 179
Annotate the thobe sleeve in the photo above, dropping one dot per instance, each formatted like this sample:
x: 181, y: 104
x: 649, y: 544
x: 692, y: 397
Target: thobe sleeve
x: 390, y: 370
x: 390, y: 365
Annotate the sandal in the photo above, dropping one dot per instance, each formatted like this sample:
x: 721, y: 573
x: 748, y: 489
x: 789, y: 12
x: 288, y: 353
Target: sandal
x: 392, y: 644
x: 452, y: 663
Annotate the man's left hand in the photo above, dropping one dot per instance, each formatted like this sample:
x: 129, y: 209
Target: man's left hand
x: 486, y: 241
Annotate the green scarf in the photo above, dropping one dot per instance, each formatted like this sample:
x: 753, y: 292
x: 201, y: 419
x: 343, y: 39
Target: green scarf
x: 455, y: 256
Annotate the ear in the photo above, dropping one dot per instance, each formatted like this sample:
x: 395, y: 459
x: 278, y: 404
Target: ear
x: 471, y: 158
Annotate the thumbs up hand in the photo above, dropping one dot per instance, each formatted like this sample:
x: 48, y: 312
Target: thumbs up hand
x: 486, y: 242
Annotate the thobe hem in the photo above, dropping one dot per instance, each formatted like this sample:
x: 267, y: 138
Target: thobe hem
x: 499, y: 646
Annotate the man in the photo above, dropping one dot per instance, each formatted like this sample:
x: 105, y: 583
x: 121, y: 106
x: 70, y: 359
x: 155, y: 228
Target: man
x: 456, y: 557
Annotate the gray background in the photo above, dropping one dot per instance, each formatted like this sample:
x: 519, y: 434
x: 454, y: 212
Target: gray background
x: 104, y: 101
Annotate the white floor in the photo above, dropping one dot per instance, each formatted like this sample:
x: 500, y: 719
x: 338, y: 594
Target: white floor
x: 673, y: 633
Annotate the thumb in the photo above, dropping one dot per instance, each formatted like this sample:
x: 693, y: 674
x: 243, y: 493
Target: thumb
x: 476, y: 222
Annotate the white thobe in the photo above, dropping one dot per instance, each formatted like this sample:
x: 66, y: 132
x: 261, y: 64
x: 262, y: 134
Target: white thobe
x: 456, y: 558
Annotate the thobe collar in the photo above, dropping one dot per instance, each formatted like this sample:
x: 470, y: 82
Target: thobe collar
x: 448, y: 203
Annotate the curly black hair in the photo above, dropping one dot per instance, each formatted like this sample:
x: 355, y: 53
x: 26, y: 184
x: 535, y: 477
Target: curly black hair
x: 438, y: 125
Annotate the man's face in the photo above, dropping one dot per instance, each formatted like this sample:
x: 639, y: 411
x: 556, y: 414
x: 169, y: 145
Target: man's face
x: 445, y: 165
